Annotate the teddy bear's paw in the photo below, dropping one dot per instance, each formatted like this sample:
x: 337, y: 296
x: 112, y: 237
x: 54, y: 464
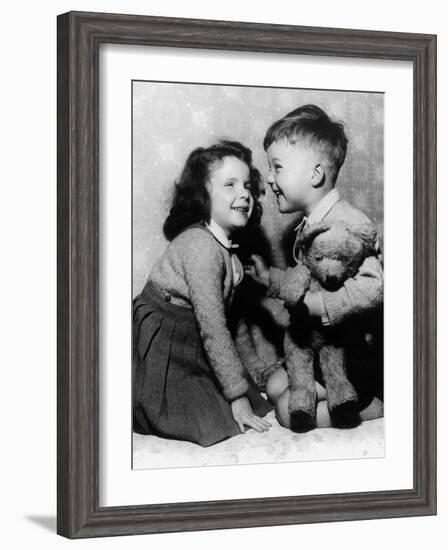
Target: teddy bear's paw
x: 346, y: 415
x: 301, y: 421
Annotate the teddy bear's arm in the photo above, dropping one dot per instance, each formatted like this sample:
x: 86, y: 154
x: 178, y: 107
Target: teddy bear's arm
x: 289, y: 285
x: 359, y: 294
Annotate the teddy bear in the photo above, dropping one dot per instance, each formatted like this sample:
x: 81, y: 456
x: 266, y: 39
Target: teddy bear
x: 330, y: 253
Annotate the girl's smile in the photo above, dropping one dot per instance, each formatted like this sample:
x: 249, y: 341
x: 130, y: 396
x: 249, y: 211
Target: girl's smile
x: 231, y: 199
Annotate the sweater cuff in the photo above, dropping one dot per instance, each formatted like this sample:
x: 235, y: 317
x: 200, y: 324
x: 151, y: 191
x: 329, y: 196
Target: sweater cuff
x: 237, y: 390
x: 255, y: 368
x: 332, y: 312
x: 269, y: 370
x: 275, y: 277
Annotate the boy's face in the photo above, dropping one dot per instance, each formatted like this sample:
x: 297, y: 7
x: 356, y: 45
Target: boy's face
x: 291, y: 173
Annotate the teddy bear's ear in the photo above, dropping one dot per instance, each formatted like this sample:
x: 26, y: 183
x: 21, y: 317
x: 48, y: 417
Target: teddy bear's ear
x: 367, y: 234
x: 308, y: 235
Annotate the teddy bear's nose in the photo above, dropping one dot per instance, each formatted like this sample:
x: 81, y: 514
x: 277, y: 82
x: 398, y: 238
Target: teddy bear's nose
x: 332, y: 280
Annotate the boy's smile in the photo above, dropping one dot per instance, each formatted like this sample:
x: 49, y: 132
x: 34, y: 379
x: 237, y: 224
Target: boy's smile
x: 292, y: 168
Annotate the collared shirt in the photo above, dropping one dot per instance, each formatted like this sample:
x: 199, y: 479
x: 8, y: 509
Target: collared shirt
x: 321, y: 209
x: 316, y: 215
x: 220, y: 235
x: 324, y: 206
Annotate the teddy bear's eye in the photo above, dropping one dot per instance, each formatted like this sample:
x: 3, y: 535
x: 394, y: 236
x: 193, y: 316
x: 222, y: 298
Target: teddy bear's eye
x: 318, y: 258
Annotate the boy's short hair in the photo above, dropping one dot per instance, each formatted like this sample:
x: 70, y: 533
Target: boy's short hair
x: 311, y: 123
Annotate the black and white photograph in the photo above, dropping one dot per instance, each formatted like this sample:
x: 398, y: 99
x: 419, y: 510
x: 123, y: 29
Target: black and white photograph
x: 257, y: 274
x: 227, y: 218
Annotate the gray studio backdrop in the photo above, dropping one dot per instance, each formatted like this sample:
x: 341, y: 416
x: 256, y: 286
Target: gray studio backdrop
x: 170, y: 120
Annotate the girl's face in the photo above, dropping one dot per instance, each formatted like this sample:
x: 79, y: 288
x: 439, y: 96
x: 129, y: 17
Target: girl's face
x: 230, y: 196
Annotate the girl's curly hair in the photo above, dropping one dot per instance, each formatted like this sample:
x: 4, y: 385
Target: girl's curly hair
x: 191, y: 199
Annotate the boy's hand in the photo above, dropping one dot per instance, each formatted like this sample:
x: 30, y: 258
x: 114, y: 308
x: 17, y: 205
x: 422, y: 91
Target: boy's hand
x: 258, y: 270
x: 244, y: 416
x: 312, y: 302
x: 307, y: 309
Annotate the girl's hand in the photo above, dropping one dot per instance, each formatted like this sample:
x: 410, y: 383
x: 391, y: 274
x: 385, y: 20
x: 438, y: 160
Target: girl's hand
x: 243, y: 415
x: 258, y: 270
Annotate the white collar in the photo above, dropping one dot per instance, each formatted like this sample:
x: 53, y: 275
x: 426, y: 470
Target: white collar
x: 219, y: 233
x: 322, y: 208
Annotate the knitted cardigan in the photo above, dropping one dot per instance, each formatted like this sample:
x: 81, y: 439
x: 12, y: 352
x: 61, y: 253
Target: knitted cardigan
x: 196, y: 271
x: 359, y: 294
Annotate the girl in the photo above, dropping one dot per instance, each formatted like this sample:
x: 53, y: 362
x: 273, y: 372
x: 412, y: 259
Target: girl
x: 189, y: 382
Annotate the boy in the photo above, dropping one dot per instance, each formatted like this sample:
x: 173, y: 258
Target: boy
x: 306, y: 150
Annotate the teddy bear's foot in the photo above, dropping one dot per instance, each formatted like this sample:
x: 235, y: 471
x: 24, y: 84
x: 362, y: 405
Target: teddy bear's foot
x: 301, y: 421
x: 346, y: 415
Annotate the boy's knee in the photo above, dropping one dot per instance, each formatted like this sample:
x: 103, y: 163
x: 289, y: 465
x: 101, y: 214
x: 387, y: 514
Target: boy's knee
x: 374, y: 410
x: 276, y: 384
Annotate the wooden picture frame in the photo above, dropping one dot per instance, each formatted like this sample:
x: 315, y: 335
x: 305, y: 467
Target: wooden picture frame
x: 79, y: 37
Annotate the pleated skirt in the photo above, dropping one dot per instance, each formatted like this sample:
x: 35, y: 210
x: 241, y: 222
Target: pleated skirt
x: 175, y: 392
